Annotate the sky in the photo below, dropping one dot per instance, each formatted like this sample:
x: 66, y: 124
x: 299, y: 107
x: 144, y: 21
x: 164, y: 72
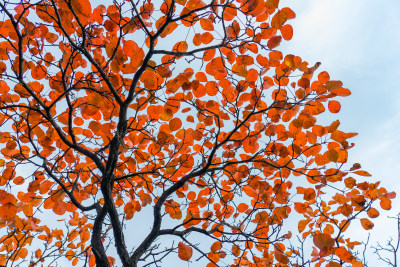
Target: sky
x: 357, y: 42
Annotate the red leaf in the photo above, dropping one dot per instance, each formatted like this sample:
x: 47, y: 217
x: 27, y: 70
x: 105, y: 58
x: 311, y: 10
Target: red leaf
x: 184, y: 251
x: 274, y: 42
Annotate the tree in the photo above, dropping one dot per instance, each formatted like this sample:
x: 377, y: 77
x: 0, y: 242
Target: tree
x: 389, y: 253
x: 181, y: 110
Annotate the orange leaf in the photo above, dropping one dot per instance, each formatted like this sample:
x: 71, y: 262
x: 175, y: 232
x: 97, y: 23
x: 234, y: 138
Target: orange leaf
x: 344, y: 254
x: 216, y: 246
x: 3, y: 67
x: 75, y: 262
x: 334, y: 106
x: 333, y: 85
x: 250, y: 145
x: 318, y: 130
x: 207, y: 38
x: 39, y: 72
x: 79, y: 121
x: 38, y: 253
x: 209, y: 54
x: 19, y: 180
x: 252, y: 75
x: 282, y: 258
x: 300, y: 207
x: 51, y: 37
x: 333, y: 264
x: 245, y: 60
x: 322, y: 241
x: 332, y: 155
x: 309, y: 194
x: 289, y: 12
x: 207, y: 24
x: 341, y: 92
x: 197, y: 39
x: 287, y: 32
x: 279, y: 19
x: 242, y: 207
x: 166, y: 115
x: 366, y: 224
x: 323, y: 77
x: 302, y: 225
x: 346, y: 210
x: 334, y: 125
x: 274, y: 42
x: 82, y: 6
x: 373, y: 213
x: 304, y: 83
x: 98, y: 12
x: 211, y: 88
x: 8, y: 211
x: 85, y: 235
x: 350, y: 182
x: 236, y: 250
x: 180, y: 47
x: 22, y: 253
x: 356, y: 263
x: 362, y: 173
x: 230, y: 12
x: 184, y: 251
x: 386, y: 204
x: 272, y: 4
x: 175, y: 124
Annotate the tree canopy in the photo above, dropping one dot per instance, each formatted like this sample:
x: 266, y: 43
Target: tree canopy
x: 139, y: 132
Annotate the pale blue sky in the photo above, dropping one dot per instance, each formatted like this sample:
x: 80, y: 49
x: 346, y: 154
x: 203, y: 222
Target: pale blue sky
x: 358, y: 42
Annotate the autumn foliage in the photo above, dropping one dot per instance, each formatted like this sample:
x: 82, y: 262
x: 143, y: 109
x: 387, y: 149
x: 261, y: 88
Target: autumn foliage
x: 143, y: 131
